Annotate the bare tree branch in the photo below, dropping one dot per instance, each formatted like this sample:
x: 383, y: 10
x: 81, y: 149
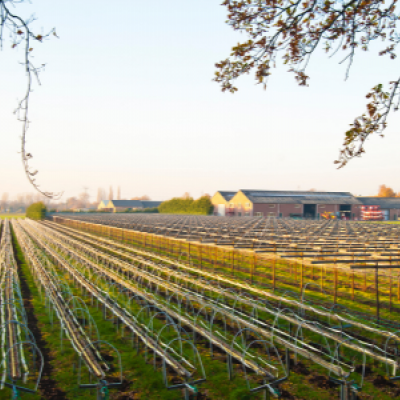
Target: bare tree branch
x: 21, y: 34
x: 373, y: 121
x: 295, y: 29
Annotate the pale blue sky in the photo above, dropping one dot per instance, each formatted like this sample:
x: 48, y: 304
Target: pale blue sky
x: 127, y: 99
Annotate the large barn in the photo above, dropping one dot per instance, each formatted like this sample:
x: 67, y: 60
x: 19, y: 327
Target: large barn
x: 283, y: 204
x: 123, y: 205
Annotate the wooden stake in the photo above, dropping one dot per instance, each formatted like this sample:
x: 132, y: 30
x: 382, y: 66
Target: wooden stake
x: 336, y: 286
x: 390, y: 290
x: 301, y: 271
x: 273, y: 274
x: 233, y: 262
x: 377, y: 292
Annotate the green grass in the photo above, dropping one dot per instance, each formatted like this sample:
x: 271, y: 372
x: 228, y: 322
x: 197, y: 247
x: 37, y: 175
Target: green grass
x: 286, y: 279
x: 380, y: 222
x: 298, y: 383
x: 11, y: 215
x: 217, y: 385
x: 146, y: 382
x: 35, y: 296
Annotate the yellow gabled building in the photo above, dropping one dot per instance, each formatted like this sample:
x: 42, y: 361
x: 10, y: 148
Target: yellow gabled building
x: 103, y: 206
x: 220, y: 201
x: 240, y: 205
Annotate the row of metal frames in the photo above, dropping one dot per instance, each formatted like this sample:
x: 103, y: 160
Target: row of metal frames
x: 75, y: 321
x: 21, y: 360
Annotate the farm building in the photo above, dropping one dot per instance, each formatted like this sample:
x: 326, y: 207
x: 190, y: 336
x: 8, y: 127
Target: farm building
x: 220, y: 200
x: 390, y: 206
x: 103, y: 205
x: 283, y: 204
x: 123, y: 205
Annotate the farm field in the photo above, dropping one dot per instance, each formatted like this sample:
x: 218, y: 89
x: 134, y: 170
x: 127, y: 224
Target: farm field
x: 383, y: 222
x: 310, y: 258
x: 138, y: 314
x: 12, y: 215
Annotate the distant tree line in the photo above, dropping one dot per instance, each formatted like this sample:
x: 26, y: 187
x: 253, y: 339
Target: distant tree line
x: 36, y: 211
x: 144, y: 197
x: 153, y: 210
x: 201, y: 206
x: 20, y: 202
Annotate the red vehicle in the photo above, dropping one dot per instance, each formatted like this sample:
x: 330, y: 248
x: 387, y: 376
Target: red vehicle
x: 371, y: 213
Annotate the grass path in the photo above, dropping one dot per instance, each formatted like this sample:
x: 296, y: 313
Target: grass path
x: 11, y: 215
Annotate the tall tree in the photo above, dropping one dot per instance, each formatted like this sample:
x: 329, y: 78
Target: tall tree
x: 144, y: 197
x: 111, y: 194
x: 28, y: 199
x: 4, y: 198
x: 72, y: 202
x: 294, y: 29
x: 99, y: 195
x: 84, y: 199
x: 386, y: 191
x: 20, y: 199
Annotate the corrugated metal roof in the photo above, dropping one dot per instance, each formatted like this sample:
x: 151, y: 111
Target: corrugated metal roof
x: 299, y: 197
x: 127, y: 203
x: 227, y: 195
x: 383, y: 202
x: 295, y: 193
x: 135, y: 203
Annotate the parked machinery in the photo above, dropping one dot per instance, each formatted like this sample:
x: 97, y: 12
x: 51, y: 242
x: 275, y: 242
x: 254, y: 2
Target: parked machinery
x: 328, y: 215
x: 371, y: 213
